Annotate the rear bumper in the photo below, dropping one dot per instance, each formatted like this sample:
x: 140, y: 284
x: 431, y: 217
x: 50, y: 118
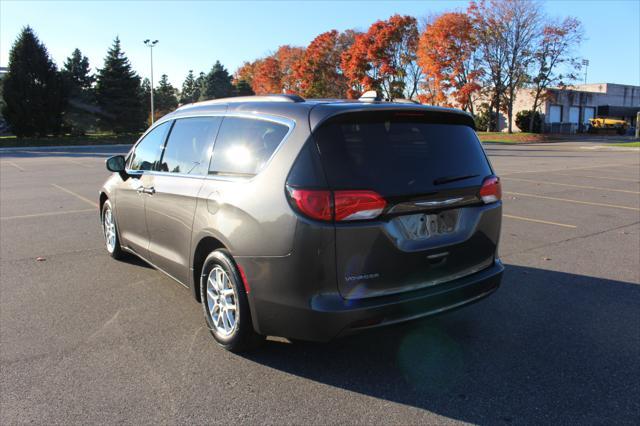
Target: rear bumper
x: 327, y: 316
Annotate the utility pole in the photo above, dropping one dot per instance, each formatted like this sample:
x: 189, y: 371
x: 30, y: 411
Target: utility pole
x: 150, y: 44
x: 585, y: 63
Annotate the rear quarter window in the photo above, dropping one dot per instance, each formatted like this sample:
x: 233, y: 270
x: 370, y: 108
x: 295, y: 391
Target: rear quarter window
x: 245, y: 145
x: 397, y: 153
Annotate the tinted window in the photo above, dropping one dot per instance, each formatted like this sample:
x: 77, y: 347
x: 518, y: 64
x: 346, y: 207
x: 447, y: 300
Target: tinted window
x: 244, y: 145
x: 148, y: 151
x: 400, y: 153
x: 189, y: 146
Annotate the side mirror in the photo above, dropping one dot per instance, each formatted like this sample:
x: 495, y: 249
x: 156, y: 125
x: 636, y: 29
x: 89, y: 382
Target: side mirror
x: 115, y: 164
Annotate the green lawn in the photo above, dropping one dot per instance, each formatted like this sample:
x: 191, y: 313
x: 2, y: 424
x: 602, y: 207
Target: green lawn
x: 628, y: 144
x: 89, y: 139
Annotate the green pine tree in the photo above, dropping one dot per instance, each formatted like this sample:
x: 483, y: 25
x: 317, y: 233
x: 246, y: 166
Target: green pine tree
x: 201, y: 87
x: 118, y: 93
x: 33, y: 92
x: 145, y: 94
x: 165, y: 99
x: 218, y: 82
x: 77, y: 69
x: 79, y: 115
x: 242, y: 88
x: 189, y: 88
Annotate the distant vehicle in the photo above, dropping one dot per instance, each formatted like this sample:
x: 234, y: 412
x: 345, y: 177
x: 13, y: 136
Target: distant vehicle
x: 608, y: 125
x: 310, y: 219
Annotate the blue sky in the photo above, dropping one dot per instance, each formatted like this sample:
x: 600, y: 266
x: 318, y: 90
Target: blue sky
x: 193, y: 35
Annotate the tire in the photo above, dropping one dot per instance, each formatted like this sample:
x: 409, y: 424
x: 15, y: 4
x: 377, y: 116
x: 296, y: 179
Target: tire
x: 225, y: 304
x: 110, y: 231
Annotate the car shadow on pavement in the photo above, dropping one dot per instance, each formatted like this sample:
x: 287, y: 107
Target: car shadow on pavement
x: 548, y: 347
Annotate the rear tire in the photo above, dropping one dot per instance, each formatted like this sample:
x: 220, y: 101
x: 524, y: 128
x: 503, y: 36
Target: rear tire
x: 110, y: 232
x: 225, y: 304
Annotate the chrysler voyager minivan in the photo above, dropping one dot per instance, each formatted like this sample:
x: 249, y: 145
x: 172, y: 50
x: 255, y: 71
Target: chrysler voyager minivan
x: 309, y: 219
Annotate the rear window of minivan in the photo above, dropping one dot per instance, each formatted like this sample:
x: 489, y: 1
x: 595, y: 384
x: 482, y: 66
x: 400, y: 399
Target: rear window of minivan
x: 399, y: 153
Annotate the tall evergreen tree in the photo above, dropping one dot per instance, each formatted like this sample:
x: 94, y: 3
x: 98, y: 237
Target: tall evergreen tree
x: 118, y: 93
x: 218, y: 82
x: 165, y: 99
x: 80, y: 112
x: 33, y: 91
x: 242, y: 88
x: 145, y: 94
x: 77, y: 69
x: 189, y: 88
x: 201, y: 87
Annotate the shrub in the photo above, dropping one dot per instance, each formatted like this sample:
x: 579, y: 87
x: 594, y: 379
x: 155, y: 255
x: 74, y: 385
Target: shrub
x: 523, y: 119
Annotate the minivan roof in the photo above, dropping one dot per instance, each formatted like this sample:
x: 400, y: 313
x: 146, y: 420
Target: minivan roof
x: 296, y: 107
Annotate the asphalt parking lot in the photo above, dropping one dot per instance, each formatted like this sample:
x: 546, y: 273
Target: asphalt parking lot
x: 86, y: 339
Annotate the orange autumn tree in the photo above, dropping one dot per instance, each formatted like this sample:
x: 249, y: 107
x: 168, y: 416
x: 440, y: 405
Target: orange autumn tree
x: 266, y: 76
x: 318, y: 69
x: 287, y: 56
x: 448, y: 54
x: 384, y: 59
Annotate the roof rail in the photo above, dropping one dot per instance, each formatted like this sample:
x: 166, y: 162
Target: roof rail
x: 261, y: 98
x: 405, y: 101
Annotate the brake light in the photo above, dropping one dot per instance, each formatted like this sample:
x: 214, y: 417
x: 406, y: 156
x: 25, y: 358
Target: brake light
x: 358, y: 205
x: 312, y: 203
x: 337, y: 205
x: 491, y: 190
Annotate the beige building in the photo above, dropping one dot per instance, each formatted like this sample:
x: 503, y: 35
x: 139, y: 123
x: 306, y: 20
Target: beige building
x: 568, y: 110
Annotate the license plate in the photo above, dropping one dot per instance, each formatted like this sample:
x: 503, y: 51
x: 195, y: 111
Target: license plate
x: 421, y: 226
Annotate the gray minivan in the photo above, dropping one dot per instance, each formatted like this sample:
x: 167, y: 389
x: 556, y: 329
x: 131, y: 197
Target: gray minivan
x: 309, y: 219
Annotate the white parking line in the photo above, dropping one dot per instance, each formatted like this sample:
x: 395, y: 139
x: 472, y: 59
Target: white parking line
x: 78, y: 196
x: 573, y: 186
x: 11, y: 163
x: 27, y: 216
x: 599, y: 177
x: 616, y: 165
x: 573, y: 201
x: 546, y: 222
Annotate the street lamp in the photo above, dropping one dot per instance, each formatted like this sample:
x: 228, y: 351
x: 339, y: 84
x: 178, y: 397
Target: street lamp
x: 150, y: 44
x: 585, y: 63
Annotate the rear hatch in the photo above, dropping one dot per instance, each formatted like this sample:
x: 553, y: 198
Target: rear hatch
x: 405, y: 189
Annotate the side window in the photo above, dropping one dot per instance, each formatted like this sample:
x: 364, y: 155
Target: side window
x: 188, y: 149
x: 148, y: 151
x: 244, y: 145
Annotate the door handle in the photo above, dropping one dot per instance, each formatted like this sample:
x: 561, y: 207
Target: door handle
x: 142, y: 190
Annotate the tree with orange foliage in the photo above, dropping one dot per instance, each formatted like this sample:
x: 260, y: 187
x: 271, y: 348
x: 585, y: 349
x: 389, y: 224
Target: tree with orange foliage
x: 266, y: 76
x: 245, y: 73
x: 287, y: 56
x: 318, y: 69
x: 448, y: 53
x: 381, y: 59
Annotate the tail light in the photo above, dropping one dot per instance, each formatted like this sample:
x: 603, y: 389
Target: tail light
x: 491, y: 190
x: 312, y: 203
x: 357, y: 205
x: 337, y: 205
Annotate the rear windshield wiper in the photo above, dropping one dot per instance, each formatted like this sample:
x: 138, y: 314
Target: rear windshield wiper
x: 449, y: 179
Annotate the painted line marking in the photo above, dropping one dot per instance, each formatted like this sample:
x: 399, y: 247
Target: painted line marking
x: 78, y: 196
x: 599, y: 177
x: 573, y: 201
x: 11, y: 163
x: 546, y: 222
x: 573, y: 186
x: 617, y: 165
x: 26, y: 216
x: 71, y: 160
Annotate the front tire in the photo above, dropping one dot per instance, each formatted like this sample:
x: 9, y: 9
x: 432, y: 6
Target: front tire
x: 110, y: 231
x: 225, y: 304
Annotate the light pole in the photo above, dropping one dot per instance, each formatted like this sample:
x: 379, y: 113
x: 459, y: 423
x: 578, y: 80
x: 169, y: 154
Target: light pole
x: 150, y: 44
x: 585, y: 63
